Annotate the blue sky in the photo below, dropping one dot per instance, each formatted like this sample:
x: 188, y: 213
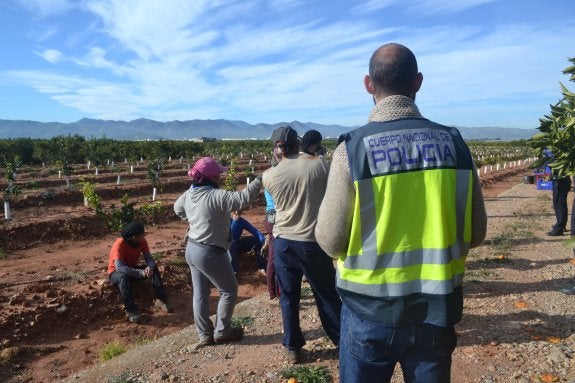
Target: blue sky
x: 484, y: 62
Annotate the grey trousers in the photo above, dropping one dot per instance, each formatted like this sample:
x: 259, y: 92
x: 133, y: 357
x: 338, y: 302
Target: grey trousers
x: 210, y: 265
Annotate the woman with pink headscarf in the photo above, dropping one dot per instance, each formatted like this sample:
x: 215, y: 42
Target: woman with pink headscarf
x: 207, y: 209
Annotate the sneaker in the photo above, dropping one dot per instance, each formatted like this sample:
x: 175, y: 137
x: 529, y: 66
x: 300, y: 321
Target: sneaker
x: 163, y: 305
x: 294, y: 356
x: 206, y: 342
x: 236, y: 334
x: 134, y: 317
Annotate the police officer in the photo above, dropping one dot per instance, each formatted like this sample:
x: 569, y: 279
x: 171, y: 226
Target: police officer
x: 402, y: 208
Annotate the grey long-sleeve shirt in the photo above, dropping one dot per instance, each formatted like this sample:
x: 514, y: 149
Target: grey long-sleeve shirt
x: 208, y: 211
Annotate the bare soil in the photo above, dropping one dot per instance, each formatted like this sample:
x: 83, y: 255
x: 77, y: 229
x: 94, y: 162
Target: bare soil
x: 58, y: 311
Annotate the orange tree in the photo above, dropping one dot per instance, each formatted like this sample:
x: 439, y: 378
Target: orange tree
x: 558, y: 132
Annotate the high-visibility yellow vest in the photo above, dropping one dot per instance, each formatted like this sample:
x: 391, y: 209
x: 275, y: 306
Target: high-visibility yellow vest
x: 411, y: 225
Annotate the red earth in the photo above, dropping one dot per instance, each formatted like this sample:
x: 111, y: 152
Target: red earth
x: 57, y: 309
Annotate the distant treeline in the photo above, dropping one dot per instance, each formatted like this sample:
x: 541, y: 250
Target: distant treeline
x: 77, y: 149
x: 65, y: 150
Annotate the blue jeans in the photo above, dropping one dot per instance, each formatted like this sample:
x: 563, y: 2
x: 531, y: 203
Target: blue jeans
x: 293, y: 259
x: 245, y: 245
x: 369, y: 350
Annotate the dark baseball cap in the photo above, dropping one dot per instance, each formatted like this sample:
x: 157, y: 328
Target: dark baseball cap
x: 286, y: 134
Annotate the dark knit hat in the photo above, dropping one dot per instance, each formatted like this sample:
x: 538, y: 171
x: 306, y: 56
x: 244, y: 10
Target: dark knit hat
x: 311, y: 137
x: 132, y: 230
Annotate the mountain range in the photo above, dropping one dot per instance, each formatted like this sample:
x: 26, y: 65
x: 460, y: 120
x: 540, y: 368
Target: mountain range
x: 141, y: 129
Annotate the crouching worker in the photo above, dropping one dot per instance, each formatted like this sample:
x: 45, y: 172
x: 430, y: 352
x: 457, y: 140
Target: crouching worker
x: 124, y: 270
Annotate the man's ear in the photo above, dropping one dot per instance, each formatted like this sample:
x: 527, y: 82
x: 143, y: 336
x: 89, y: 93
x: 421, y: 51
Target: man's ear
x: 368, y: 84
x: 417, y: 82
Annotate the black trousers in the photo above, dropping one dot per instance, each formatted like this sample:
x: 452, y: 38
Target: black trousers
x: 561, y: 188
x: 126, y: 285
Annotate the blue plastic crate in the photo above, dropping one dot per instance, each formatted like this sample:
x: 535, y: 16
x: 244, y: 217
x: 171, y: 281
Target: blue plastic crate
x: 544, y: 185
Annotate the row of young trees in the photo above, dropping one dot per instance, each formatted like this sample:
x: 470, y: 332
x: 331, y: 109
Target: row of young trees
x: 77, y: 149
x: 64, y: 151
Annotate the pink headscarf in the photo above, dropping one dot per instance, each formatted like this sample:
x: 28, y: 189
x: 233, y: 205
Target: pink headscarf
x: 206, y: 167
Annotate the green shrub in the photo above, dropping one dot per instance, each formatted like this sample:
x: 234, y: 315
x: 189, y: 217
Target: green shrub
x: 304, y: 374
x: 230, y: 183
x: 118, y: 217
x: 242, y: 321
x: 149, y: 211
x: 111, y: 350
x: 89, y: 191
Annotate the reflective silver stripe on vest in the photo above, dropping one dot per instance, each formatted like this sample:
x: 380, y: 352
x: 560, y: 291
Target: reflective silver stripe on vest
x: 461, y: 195
x: 403, y: 289
x: 372, y: 261
x: 367, y: 217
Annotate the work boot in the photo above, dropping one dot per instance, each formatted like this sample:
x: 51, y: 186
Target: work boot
x: 236, y: 334
x: 134, y: 317
x: 163, y: 305
x: 294, y: 356
x: 206, y: 342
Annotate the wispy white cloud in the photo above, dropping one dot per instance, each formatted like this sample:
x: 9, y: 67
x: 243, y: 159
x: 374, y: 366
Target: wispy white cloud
x: 244, y: 60
x: 51, y: 55
x: 47, y: 82
x: 47, y: 8
x: 116, y: 102
x: 96, y: 58
x: 152, y: 29
x: 373, y: 5
x: 446, y: 7
x: 427, y: 7
x: 40, y: 32
x: 510, y: 71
